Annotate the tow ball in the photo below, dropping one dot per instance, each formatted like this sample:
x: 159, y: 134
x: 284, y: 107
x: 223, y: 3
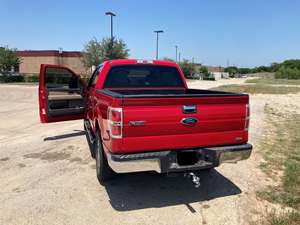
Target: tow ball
x: 195, y: 179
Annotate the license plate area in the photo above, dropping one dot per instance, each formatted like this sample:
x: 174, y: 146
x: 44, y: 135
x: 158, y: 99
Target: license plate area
x: 187, y: 158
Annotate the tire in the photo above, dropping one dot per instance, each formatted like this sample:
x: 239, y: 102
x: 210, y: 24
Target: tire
x: 103, y: 171
x: 91, y: 145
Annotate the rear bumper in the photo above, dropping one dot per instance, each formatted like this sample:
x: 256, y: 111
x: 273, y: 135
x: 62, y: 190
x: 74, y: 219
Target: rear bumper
x: 178, y: 160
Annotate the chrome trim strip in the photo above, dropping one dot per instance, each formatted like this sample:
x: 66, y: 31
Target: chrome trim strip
x: 134, y: 165
x: 234, y: 156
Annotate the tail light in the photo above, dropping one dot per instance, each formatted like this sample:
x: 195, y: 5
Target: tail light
x: 115, y: 122
x: 247, y: 117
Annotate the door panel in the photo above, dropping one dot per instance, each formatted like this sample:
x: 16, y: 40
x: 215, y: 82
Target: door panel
x: 61, y: 94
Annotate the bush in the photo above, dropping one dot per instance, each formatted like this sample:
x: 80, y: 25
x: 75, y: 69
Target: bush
x: 19, y: 78
x: 31, y: 79
x: 287, y: 73
x: 11, y: 79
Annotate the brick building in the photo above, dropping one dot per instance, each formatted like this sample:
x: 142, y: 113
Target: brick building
x: 32, y: 59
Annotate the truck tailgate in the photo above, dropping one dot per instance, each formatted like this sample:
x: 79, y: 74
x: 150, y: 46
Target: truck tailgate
x: 156, y: 123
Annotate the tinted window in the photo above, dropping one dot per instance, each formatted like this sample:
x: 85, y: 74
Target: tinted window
x: 60, y: 78
x: 143, y: 76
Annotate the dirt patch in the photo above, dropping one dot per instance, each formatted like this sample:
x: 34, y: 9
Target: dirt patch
x: 206, y: 206
x: 17, y: 190
x: 79, y: 160
x: 76, y: 159
x: 49, y: 156
x: 4, y: 159
x: 21, y: 165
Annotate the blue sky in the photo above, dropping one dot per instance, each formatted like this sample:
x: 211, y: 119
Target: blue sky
x: 214, y: 32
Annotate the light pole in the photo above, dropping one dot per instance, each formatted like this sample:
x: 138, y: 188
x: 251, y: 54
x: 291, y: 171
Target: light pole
x: 176, y: 48
x: 157, y: 32
x: 111, y: 14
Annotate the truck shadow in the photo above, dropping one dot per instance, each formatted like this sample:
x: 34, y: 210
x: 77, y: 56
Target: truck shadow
x: 64, y: 136
x: 151, y: 190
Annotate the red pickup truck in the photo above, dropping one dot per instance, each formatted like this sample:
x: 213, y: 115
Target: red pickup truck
x: 140, y: 115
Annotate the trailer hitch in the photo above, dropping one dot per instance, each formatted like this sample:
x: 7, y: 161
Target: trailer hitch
x: 195, y: 179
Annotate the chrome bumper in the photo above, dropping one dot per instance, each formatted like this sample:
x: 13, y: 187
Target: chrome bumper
x: 166, y: 161
x: 134, y: 165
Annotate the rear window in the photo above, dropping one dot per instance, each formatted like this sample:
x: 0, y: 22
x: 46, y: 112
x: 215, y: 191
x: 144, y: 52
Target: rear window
x: 143, y: 76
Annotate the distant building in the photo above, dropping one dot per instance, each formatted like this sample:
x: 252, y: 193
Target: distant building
x: 217, y: 72
x: 32, y: 59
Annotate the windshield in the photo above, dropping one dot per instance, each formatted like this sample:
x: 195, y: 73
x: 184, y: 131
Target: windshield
x: 147, y: 76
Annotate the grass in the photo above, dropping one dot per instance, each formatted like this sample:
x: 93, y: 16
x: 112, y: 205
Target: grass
x: 273, y: 81
x: 281, y: 151
x: 288, y: 218
x: 258, y: 89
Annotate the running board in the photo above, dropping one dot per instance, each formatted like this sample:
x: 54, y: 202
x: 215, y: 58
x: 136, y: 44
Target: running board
x: 87, y: 127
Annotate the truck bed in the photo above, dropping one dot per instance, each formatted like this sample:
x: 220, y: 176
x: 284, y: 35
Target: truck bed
x: 221, y: 118
x: 169, y: 93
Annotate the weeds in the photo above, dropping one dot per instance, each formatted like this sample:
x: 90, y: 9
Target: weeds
x: 281, y: 151
x: 258, y: 89
x: 273, y: 81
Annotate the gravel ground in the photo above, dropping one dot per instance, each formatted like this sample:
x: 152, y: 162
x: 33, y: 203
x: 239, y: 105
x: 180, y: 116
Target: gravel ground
x: 48, y: 177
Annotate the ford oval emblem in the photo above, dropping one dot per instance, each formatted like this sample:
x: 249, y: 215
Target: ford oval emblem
x: 190, y: 121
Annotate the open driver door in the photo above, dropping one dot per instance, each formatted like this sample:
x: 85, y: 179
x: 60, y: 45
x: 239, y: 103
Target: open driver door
x: 62, y: 94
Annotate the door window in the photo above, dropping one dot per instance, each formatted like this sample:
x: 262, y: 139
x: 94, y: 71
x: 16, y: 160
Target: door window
x: 61, y: 78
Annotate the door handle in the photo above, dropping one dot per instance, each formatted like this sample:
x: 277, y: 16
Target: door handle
x: 186, y: 109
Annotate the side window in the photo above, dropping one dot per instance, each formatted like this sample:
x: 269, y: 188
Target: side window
x: 94, y: 77
x: 60, y: 78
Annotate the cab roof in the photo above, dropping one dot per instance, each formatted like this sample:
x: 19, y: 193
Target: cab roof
x: 140, y: 61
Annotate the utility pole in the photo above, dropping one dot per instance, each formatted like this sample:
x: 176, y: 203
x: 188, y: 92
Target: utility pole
x: 176, y: 49
x: 179, y: 57
x: 60, y: 57
x: 157, y: 32
x: 111, y: 14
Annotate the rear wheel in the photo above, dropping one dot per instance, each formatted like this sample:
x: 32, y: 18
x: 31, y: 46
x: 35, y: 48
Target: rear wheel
x: 103, y: 171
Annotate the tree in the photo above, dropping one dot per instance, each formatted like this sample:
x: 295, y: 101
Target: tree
x: 274, y: 66
x: 261, y: 69
x: 231, y: 70
x: 8, y: 59
x: 95, y: 52
x: 285, y: 72
x: 204, y: 70
x: 187, y: 68
x: 244, y: 70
